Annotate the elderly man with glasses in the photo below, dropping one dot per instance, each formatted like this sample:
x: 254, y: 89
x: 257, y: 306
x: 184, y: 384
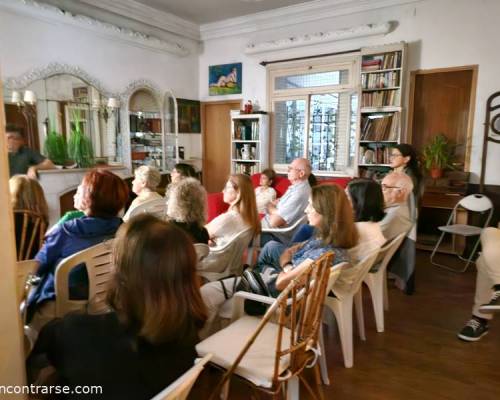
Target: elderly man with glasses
x: 396, y: 187
x: 290, y: 207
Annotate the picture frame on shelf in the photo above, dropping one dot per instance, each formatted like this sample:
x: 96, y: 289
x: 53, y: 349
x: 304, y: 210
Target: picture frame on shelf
x: 189, y: 116
x: 225, y: 79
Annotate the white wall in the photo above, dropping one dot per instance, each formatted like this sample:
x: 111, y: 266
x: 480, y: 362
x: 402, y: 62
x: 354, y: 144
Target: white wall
x: 440, y: 33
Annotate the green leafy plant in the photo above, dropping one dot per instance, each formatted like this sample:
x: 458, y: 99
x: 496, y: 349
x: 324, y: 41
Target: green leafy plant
x: 55, y: 147
x: 438, y: 154
x: 80, y: 146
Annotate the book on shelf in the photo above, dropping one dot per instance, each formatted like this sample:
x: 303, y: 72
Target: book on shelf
x: 246, y: 130
x: 375, y: 155
x: 380, y: 127
x: 379, y: 99
x: 246, y: 168
x: 388, y: 60
x: 380, y: 80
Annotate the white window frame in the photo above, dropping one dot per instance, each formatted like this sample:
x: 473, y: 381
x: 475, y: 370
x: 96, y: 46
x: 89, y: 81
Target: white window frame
x: 315, y: 65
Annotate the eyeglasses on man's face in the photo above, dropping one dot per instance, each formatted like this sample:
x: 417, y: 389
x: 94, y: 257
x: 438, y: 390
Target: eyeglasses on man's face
x: 388, y: 187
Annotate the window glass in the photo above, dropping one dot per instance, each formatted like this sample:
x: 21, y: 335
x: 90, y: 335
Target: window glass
x: 317, y: 79
x: 289, y: 130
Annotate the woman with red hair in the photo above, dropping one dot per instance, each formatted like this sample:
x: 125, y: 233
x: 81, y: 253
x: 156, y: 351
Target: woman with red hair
x: 101, y: 196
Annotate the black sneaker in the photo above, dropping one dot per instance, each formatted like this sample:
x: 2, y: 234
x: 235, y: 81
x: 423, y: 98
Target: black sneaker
x: 473, y: 330
x: 493, y: 305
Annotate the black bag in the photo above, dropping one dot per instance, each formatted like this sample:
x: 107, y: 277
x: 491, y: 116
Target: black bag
x: 252, y: 282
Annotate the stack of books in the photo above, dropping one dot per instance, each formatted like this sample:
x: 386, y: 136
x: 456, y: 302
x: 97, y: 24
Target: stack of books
x: 380, y: 127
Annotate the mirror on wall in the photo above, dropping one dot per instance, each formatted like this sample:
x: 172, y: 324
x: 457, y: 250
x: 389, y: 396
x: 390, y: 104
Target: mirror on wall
x: 66, y: 105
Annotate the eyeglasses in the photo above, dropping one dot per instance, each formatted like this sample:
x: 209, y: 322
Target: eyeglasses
x: 394, y: 155
x: 290, y: 168
x: 387, y: 187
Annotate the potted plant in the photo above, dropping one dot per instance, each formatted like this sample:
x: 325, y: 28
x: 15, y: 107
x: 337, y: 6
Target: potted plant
x: 55, y: 147
x: 438, y: 155
x: 79, y: 145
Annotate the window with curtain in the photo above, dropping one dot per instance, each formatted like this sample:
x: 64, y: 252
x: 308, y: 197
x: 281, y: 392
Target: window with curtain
x: 315, y: 113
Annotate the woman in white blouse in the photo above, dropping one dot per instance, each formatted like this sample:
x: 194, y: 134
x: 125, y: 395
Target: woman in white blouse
x: 242, y: 213
x: 144, y: 186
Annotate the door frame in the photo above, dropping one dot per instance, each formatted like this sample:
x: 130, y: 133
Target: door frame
x: 472, y: 103
x: 203, y: 125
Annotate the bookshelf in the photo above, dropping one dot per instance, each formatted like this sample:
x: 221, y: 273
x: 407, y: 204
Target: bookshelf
x: 249, y: 142
x: 146, y: 139
x: 381, y: 107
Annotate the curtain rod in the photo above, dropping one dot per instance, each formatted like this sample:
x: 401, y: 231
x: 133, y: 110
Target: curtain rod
x: 264, y: 63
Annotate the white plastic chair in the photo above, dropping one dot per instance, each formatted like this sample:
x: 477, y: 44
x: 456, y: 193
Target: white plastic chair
x: 157, y: 207
x: 225, y: 260
x: 376, y: 279
x: 476, y: 203
x: 341, y: 305
x: 180, y: 388
x: 99, y: 264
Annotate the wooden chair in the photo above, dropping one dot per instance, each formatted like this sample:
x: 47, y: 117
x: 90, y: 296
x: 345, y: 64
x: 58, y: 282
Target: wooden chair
x: 180, y: 388
x: 99, y: 264
x: 25, y: 272
x: 269, y: 355
x: 32, y: 232
x: 157, y: 207
x: 225, y: 260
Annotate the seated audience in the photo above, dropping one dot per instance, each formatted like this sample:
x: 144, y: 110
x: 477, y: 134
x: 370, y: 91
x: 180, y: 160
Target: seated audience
x: 396, y: 187
x: 101, y: 196
x: 265, y: 194
x: 181, y: 171
x: 22, y: 159
x: 186, y: 208
x: 148, y: 338
x: 144, y: 186
x: 290, y: 207
x: 242, y: 213
x: 27, y: 195
x: 329, y: 212
x: 487, y: 297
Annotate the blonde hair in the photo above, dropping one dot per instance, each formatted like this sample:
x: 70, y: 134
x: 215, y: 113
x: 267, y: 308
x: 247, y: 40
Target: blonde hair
x: 150, y: 176
x: 27, y: 194
x: 187, y: 201
x: 246, y: 204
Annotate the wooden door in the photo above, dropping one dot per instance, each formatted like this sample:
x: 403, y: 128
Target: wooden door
x: 217, y: 143
x: 442, y: 101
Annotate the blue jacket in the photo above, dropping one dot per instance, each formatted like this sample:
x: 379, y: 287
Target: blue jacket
x: 63, y: 241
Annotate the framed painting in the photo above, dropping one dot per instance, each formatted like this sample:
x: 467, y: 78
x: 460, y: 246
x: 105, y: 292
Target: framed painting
x: 225, y: 79
x: 189, y: 116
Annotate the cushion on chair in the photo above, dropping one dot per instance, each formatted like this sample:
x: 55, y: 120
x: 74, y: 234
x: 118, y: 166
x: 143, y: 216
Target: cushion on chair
x: 215, y: 205
x: 257, y: 365
x: 459, y: 229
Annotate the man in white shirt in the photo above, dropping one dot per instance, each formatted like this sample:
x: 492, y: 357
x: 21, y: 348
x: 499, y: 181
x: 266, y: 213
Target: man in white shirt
x: 396, y: 187
x: 290, y: 207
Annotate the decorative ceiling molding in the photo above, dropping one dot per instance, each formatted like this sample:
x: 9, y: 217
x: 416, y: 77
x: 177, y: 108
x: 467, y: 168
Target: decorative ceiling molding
x: 319, y: 37
x: 142, y: 84
x: 149, y: 16
x: 23, y: 81
x: 48, y: 12
x: 294, y: 15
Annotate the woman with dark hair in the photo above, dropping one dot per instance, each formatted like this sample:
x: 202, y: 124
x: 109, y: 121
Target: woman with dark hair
x: 404, y: 158
x: 367, y: 202
x: 242, y: 213
x: 148, y: 338
x: 101, y: 196
x: 181, y: 171
x: 330, y: 213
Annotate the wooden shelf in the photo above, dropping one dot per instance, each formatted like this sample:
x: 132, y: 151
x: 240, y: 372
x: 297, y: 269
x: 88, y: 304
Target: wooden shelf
x: 245, y: 141
x: 378, y: 141
x: 246, y: 161
x: 366, y: 110
x: 378, y: 71
x: 379, y: 89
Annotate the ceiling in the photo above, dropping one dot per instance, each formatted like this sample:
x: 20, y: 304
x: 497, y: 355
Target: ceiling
x: 206, y: 11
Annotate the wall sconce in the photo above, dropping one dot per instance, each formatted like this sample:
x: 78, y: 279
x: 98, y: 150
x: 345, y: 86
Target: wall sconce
x: 104, y: 110
x: 29, y: 97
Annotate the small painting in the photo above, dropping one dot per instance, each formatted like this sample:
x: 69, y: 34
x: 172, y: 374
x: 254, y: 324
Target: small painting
x: 225, y: 79
x: 189, y: 116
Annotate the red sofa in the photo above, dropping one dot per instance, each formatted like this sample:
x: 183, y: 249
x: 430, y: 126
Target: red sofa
x: 216, y: 205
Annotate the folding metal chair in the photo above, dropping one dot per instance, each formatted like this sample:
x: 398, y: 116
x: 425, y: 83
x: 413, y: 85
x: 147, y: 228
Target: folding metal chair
x: 476, y: 203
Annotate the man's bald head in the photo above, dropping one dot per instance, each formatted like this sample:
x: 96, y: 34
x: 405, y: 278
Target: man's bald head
x: 396, y: 187
x: 299, y: 170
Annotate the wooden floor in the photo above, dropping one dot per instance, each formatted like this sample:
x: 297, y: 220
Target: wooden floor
x: 418, y: 356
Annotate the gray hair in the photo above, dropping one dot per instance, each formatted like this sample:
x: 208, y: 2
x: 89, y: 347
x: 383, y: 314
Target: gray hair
x: 150, y: 176
x: 187, y: 201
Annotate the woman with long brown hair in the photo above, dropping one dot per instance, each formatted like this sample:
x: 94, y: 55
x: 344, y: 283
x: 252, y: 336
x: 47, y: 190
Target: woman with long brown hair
x: 148, y: 338
x: 242, y: 213
x: 26, y: 194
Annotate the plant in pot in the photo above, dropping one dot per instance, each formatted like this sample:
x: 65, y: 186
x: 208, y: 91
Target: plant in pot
x: 438, y: 155
x: 80, y: 146
x: 55, y: 147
